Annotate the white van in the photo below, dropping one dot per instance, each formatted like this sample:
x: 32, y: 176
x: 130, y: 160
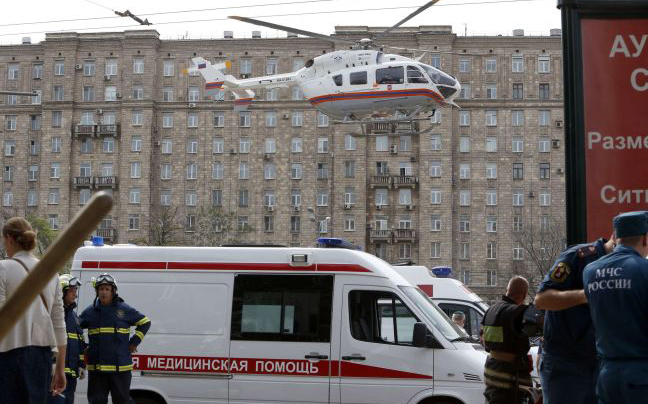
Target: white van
x: 449, y: 294
x: 282, y: 325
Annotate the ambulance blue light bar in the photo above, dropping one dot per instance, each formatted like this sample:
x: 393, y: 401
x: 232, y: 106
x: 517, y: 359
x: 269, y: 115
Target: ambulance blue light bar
x: 441, y: 272
x: 331, y: 242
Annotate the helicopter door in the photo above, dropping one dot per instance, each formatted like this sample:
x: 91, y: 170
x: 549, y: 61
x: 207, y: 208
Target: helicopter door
x: 414, y: 75
x: 390, y: 75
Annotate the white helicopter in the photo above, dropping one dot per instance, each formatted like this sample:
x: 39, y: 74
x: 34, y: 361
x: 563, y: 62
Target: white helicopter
x: 361, y: 85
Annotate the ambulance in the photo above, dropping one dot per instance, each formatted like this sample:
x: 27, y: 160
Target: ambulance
x: 449, y: 294
x: 283, y: 325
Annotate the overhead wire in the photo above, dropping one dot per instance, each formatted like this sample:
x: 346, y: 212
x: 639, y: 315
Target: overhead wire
x: 269, y: 16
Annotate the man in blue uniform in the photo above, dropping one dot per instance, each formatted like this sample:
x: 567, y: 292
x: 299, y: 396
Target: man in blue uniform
x: 569, y: 366
x: 616, y: 287
x: 108, y: 356
x: 74, y: 366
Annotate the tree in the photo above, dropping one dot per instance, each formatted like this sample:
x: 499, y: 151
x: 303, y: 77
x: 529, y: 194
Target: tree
x: 163, y: 228
x: 215, y: 227
x: 541, y: 243
x: 44, y: 234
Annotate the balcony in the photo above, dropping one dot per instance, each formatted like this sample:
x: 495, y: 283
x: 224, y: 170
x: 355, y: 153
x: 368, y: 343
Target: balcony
x: 106, y: 181
x: 108, y: 130
x: 406, y: 127
x: 405, y: 181
x: 380, y: 127
x: 404, y: 235
x: 107, y: 233
x: 380, y: 235
x: 80, y: 182
x: 380, y: 181
x: 84, y: 130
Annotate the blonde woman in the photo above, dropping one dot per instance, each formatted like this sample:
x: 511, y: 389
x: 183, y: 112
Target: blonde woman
x: 26, y: 352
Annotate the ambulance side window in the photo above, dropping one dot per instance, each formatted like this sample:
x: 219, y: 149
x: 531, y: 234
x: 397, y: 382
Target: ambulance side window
x: 472, y: 324
x: 380, y: 317
x: 282, y: 308
x: 358, y: 78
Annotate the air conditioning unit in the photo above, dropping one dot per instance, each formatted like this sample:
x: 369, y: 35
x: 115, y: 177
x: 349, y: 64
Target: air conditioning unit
x: 155, y: 129
x: 158, y: 143
x: 267, y: 156
x: 192, y: 105
x: 531, y: 194
x: 560, y: 170
x: 107, y: 77
x: 232, y: 151
x: 413, y: 159
x: 347, y: 206
x: 409, y: 207
x: 285, y: 116
x: 99, y: 111
x: 78, y: 66
x: 555, y: 143
x: 297, y: 208
x: 559, y: 124
x: 118, y: 95
x: 270, y: 208
x: 393, y: 149
x: 378, y: 207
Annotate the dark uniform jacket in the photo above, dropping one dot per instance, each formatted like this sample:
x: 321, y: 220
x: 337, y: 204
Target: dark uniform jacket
x: 109, y: 334
x: 503, y: 328
x: 569, y: 333
x: 75, y: 342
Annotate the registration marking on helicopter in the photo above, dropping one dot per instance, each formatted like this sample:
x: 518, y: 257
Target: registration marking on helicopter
x: 376, y: 94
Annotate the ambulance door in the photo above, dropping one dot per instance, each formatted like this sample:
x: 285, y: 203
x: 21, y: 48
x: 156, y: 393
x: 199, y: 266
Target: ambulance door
x: 281, y: 339
x: 378, y: 363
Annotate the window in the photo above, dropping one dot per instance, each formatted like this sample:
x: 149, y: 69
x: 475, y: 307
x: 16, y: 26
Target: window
x: 464, y: 171
x: 269, y: 198
x: 268, y: 224
x: 8, y: 173
x: 191, y: 198
x: 111, y: 67
x: 544, y: 223
x: 464, y: 197
x: 544, y: 145
x: 165, y: 197
x: 37, y: 71
x: 382, y: 143
x: 245, y: 119
x: 544, y: 65
x: 133, y: 221
x: 389, y: 75
x: 12, y: 99
x: 84, y: 196
x: 405, y: 143
x: 138, y: 92
x: 435, y: 249
x: 295, y: 197
x: 11, y: 122
x: 10, y: 147
x: 517, y: 118
x: 435, y: 142
x: 349, y: 168
x: 244, y: 145
x: 219, y: 119
x: 192, y: 146
x: 297, y: 118
x: 404, y: 252
x: 517, y: 145
x: 545, y: 198
x: 89, y: 68
x: 464, y: 65
x: 349, y: 223
x: 295, y: 224
x: 244, y: 198
x: 193, y: 94
x: 135, y: 169
x: 491, y: 171
x: 59, y: 68
x: 58, y: 93
x: 322, y: 145
x: 435, y: 60
x: 491, y: 144
x: 491, y: 91
x: 491, y: 224
x: 32, y: 174
x: 137, y: 118
x: 269, y: 171
x: 245, y: 66
x: 217, y: 197
x: 34, y: 147
x: 518, y: 91
x: 192, y: 120
x: 296, y: 171
x: 464, y: 118
x: 55, y: 170
x: 296, y: 145
x: 322, y: 171
x: 296, y: 93
x: 167, y: 119
x: 544, y: 117
x: 544, y: 171
x: 464, y: 144
x: 491, y: 250
x: 464, y: 251
x: 86, y: 145
x: 543, y: 91
x: 107, y: 170
x: 465, y: 91
x: 435, y: 196
x: 271, y: 119
x: 136, y: 144
x: 217, y: 171
x: 272, y: 94
x: 517, y: 64
x: 382, y: 197
x: 322, y: 197
x: 54, y: 196
x: 349, y: 142
x: 491, y: 65
x: 435, y: 169
x: 297, y: 63
x: 464, y: 224
x: 138, y: 66
x: 518, y: 171
x: 404, y: 196
x: 57, y: 119
x: 382, y: 168
x: 491, y: 197
x: 168, y: 68
x: 322, y: 120
x: 134, y: 195
x: 243, y: 224
x: 491, y: 278
x: 414, y: 75
x: 38, y: 98
x: 518, y: 197
x: 294, y: 308
x: 436, y: 117
x: 32, y: 197
x: 192, y: 171
x: 56, y: 144
x: 167, y: 146
x: 167, y: 94
x: 358, y: 78
x: 244, y: 171
x: 491, y: 118
x: 518, y: 252
x: 517, y: 223
x: 110, y: 93
x: 7, y: 198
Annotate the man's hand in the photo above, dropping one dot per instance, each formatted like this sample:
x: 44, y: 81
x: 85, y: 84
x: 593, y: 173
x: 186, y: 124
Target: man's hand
x: 132, y: 348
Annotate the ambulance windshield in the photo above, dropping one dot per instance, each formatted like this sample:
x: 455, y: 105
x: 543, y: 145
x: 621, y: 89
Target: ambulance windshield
x: 434, y: 314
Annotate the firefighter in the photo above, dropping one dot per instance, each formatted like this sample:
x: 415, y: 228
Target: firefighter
x: 74, y: 366
x: 507, y: 367
x: 108, y: 356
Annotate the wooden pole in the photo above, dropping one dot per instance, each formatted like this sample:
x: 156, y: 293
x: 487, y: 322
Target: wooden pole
x: 78, y: 230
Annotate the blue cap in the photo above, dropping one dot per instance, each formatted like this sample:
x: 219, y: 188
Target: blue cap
x: 631, y: 224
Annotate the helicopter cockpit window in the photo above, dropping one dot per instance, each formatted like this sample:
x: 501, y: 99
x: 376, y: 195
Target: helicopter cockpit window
x: 337, y: 79
x: 439, y: 77
x: 390, y: 75
x: 414, y: 75
x: 358, y: 78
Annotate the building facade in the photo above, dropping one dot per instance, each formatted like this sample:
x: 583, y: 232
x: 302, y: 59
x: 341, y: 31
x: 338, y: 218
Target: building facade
x: 116, y: 112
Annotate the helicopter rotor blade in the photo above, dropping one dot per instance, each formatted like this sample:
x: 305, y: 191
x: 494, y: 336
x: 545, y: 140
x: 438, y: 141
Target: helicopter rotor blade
x: 292, y: 30
x: 409, y: 17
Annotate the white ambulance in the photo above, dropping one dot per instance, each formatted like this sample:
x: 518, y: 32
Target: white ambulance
x: 283, y: 325
x: 449, y: 294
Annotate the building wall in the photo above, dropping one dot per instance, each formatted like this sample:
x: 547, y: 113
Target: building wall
x: 468, y: 63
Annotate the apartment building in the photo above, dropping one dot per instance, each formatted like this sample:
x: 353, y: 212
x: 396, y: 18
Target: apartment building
x: 115, y: 112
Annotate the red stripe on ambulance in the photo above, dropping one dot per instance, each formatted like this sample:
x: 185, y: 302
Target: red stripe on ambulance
x: 220, y: 266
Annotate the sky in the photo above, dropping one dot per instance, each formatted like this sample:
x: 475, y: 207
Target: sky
x: 174, y: 20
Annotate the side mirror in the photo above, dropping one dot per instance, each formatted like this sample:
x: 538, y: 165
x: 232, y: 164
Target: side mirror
x: 421, y: 337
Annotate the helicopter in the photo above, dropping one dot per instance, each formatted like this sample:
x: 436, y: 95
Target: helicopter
x: 358, y: 85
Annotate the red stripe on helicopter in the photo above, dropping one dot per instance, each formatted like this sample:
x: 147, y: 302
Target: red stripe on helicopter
x: 377, y: 94
x: 214, y: 84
